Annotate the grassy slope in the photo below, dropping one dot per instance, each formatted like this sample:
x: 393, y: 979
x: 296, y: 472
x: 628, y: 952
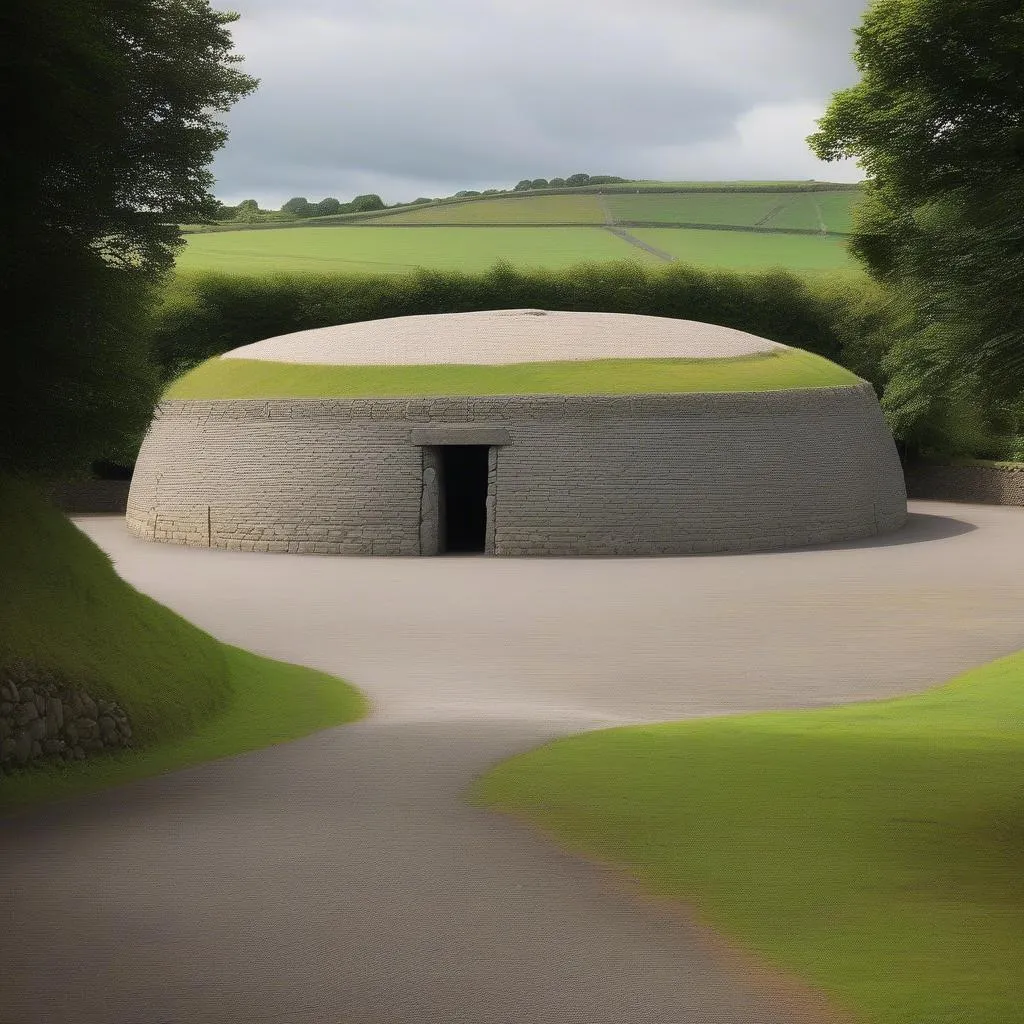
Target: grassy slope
x: 739, y: 209
x: 538, y: 209
x: 63, y: 607
x: 739, y: 250
x: 877, y: 849
x: 251, y: 378
x: 391, y: 250
x: 808, y: 211
x: 189, y: 697
x: 378, y: 248
x: 721, y: 186
x: 743, y: 209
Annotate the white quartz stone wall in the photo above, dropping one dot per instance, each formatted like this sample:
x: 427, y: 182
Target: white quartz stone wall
x: 600, y: 475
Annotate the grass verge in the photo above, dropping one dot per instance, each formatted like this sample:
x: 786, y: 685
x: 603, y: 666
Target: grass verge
x: 252, y: 378
x: 189, y: 698
x: 272, y: 702
x: 876, y: 849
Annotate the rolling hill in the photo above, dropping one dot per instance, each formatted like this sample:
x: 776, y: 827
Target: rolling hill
x: 800, y: 226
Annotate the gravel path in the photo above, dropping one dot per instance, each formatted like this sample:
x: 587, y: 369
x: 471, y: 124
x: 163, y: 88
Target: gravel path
x: 341, y: 879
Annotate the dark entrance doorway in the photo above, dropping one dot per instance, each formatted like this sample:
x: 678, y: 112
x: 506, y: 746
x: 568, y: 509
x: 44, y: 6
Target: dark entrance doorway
x: 464, y: 483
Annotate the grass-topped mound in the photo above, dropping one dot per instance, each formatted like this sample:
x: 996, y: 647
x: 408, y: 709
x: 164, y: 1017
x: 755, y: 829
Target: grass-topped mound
x: 188, y: 697
x: 63, y: 608
x: 787, y: 369
x: 877, y: 849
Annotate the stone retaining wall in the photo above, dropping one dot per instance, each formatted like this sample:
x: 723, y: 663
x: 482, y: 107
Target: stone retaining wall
x: 986, y: 485
x: 603, y: 475
x: 44, y: 718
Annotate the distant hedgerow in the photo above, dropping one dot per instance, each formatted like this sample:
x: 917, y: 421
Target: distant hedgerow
x: 204, y: 314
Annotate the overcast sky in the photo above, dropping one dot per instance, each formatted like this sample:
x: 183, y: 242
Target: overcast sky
x: 411, y: 98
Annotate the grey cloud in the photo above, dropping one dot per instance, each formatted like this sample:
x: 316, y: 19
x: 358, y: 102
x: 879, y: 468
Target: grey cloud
x: 425, y: 99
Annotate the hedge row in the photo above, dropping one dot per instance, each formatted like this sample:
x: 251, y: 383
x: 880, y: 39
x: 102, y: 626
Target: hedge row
x: 205, y: 314
x: 844, y: 318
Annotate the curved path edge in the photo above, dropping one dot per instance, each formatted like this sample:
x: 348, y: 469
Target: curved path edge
x: 341, y: 876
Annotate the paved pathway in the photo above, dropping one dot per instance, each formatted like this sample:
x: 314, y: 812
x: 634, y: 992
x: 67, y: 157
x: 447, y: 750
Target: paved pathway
x: 340, y: 879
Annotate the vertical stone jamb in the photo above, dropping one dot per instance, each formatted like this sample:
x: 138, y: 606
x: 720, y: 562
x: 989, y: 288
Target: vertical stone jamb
x: 492, y: 490
x: 431, y: 502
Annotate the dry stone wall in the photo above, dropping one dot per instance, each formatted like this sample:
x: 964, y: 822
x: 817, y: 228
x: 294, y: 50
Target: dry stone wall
x: 45, y: 718
x: 986, y: 485
x: 603, y: 475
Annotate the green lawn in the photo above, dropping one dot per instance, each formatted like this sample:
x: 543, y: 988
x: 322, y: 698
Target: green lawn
x: 876, y: 849
x: 533, y: 209
x: 252, y: 378
x: 388, y: 250
x: 742, y: 250
x: 189, y: 698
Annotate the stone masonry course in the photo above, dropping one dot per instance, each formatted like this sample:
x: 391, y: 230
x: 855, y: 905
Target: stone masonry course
x: 568, y: 475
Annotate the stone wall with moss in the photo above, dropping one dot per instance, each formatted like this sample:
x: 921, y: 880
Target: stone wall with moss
x: 42, y: 717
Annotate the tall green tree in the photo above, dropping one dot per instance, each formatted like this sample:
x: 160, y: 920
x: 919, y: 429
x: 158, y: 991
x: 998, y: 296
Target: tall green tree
x: 367, y: 203
x: 327, y: 207
x: 113, y: 117
x: 937, y: 123
x: 299, y: 205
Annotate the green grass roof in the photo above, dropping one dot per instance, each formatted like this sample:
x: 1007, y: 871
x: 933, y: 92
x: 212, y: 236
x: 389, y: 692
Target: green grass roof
x: 249, y: 378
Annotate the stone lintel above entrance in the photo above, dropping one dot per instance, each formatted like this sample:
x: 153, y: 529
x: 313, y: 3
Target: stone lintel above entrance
x: 451, y: 433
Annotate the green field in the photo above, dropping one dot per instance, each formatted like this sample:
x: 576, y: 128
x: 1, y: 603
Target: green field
x: 533, y: 209
x: 808, y: 212
x: 553, y: 232
x: 743, y: 210
x: 748, y: 250
x: 804, y: 212
x: 718, y: 186
x: 393, y: 250
x: 253, y: 378
x: 875, y: 849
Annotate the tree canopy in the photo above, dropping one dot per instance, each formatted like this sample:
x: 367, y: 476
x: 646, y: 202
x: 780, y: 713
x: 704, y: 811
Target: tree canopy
x: 937, y: 123
x: 573, y: 181
x: 115, y: 123
x: 299, y: 205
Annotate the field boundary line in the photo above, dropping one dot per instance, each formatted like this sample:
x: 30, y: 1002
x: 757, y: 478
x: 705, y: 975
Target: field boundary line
x: 821, y: 220
x: 774, y: 211
x: 622, y: 233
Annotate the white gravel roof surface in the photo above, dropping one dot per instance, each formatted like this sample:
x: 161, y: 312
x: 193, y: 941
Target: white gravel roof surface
x: 505, y: 336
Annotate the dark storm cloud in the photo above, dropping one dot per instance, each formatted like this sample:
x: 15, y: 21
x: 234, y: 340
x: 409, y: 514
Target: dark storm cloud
x: 409, y: 99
